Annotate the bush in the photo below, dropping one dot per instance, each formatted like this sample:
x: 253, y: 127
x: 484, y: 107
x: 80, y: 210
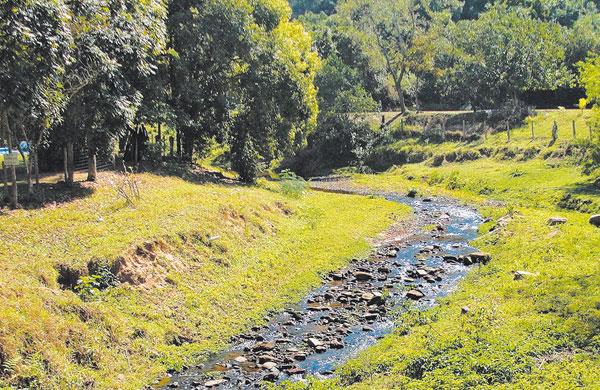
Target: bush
x: 339, y: 141
x: 245, y: 159
x: 438, y: 160
x: 291, y: 184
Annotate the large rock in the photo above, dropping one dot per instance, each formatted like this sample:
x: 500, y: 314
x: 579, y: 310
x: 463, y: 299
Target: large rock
x: 295, y: 371
x: 363, y: 276
x: 480, y: 257
x: 520, y: 275
x: 374, y: 298
x: 215, y: 382
x: 554, y: 221
x: 415, y: 294
x: 264, y: 347
x: 314, y: 343
x: 595, y: 220
x: 269, y: 365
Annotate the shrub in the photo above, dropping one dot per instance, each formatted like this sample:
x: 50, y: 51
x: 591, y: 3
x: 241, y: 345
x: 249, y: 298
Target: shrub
x: 438, y: 160
x: 245, y: 159
x: 291, y: 184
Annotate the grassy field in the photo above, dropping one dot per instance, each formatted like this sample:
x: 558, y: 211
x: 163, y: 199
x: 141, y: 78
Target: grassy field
x: 410, y: 144
x: 202, y: 262
x: 540, y: 331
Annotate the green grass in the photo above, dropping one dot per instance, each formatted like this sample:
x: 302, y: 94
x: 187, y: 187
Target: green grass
x: 538, y: 332
x: 215, y: 258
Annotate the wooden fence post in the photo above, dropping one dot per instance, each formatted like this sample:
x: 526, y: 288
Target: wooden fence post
x: 5, y: 177
x: 485, y: 129
x: 66, y: 163
x: 532, y: 132
x: 508, y: 131
x: 554, y: 131
x: 70, y: 163
x: 574, y: 131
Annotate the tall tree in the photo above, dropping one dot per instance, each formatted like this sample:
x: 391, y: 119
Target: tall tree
x: 117, y: 46
x: 590, y: 79
x: 504, y: 53
x: 243, y: 72
x: 34, y: 50
x: 396, y: 32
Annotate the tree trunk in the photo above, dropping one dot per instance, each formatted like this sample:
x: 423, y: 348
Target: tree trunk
x: 29, y: 170
x: 14, y: 192
x: 136, y: 150
x: 66, y: 164
x: 92, y: 166
x: 5, y: 179
x: 398, y: 84
x: 14, y: 196
x: 160, y: 134
x: 36, y: 164
x: 178, y: 143
x: 28, y: 165
x: 70, y: 164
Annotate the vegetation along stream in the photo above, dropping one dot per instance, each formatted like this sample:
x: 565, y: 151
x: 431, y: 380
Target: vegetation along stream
x: 355, y: 306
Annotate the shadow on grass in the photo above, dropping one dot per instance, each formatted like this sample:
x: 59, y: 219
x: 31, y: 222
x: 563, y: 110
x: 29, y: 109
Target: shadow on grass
x: 583, y: 197
x: 192, y: 173
x: 48, y: 194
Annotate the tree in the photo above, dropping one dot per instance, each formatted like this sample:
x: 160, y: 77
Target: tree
x: 243, y: 73
x: 564, y: 12
x: 396, y: 32
x: 301, y: 7
x: 582, y: 40
x: 589, y: 78
x: 116, y: 50
x: 504, y: 53
x: 34, y: 50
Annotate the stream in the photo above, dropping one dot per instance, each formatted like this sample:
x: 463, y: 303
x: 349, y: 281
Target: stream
x: 355, y: 306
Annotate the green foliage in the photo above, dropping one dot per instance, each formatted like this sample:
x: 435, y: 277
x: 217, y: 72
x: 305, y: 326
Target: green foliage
x: 396, y: 34
x: 504, y: 53
x: 35, y: 43
x: 257, y: 82
x: 316, y: 6
x: 291, y: 184
x: 245, y: 159
x: 590, y: 80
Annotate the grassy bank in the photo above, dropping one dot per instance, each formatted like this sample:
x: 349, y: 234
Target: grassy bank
x: 537, y: 331
x: 196, y: 264
x: 412, y: 144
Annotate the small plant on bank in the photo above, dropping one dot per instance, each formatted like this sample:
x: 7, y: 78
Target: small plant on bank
x: 88, y: 287
x: 291, y: 184
x: 128, y: 188
x: 100, y: 278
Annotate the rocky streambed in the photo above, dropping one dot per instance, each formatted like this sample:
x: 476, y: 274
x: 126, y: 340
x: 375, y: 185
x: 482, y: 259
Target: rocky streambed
x: 354, y: 307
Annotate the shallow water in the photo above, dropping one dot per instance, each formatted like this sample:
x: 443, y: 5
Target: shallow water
x: 349, y: 325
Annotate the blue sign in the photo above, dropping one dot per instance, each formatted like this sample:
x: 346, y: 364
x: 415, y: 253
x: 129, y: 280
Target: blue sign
x: 24, y: 146
x: 4, y: 150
